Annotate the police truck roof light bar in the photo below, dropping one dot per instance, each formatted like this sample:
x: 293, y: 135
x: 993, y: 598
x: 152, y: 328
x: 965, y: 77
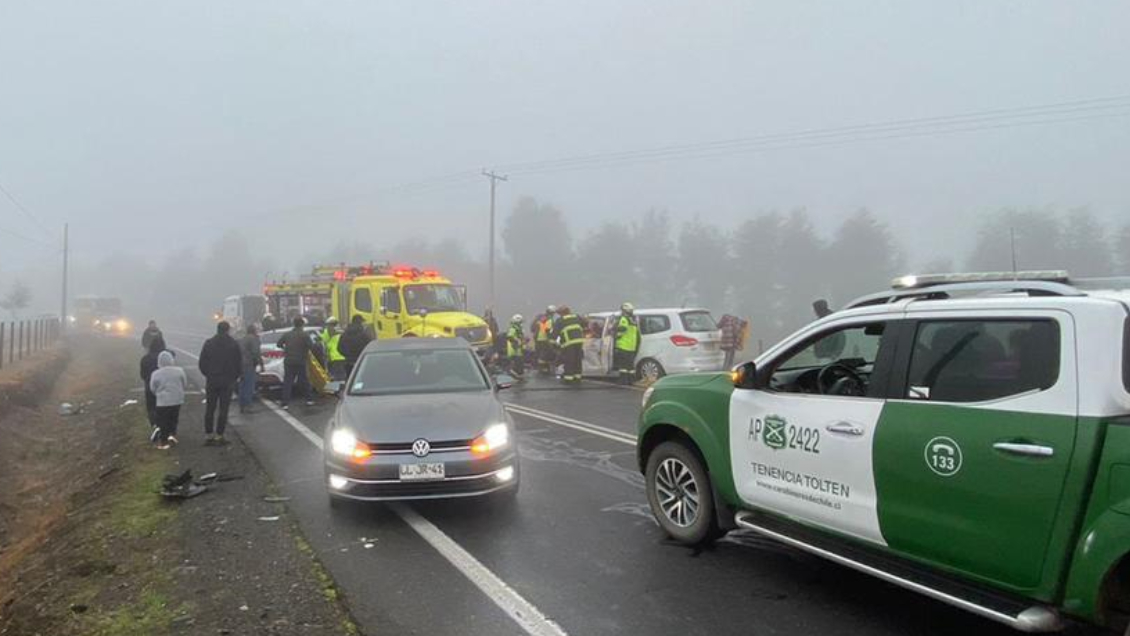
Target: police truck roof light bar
x: 928, y: 280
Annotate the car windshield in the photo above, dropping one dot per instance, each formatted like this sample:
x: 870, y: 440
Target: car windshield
x: 434, y: 298
x: 698, y: 321
x: 418, y: 371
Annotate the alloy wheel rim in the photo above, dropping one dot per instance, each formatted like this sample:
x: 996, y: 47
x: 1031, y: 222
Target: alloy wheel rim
x: 677, y: 492
x: 650, y: 371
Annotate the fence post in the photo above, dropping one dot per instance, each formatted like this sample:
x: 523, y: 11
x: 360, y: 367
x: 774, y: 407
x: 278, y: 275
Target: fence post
x: 35, y: 336
x: 12, y: 342
x: 1, y: 345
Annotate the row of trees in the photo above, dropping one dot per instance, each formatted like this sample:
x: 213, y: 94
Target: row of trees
x: 768, y: 268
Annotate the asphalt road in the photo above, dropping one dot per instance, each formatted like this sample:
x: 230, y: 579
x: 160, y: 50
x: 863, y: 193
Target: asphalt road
x: 577, y: 554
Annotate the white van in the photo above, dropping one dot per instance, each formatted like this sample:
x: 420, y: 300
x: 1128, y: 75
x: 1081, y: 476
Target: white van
x: 241, y: 311
x: 671, y: 341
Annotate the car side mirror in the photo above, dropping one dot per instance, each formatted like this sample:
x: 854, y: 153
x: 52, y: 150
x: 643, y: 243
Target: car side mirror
x: 744, y: 376
x: 503, y: 381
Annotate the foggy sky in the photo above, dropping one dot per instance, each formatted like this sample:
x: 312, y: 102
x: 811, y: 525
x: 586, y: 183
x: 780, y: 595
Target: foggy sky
x: 152, y: 125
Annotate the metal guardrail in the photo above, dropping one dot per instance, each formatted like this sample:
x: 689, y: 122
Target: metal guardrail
x: 20, y: 338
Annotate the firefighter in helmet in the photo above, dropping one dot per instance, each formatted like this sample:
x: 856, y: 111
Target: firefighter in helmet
x: 570, y: 337
x: 516, y: 347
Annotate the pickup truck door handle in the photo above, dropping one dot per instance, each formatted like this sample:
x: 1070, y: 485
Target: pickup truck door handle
x: 845, y: 428
x: 1028, y: 450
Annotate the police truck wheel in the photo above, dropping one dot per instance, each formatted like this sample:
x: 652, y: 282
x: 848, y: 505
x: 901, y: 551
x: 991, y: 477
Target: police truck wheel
x: 650, y: 370
x: 679, y: 493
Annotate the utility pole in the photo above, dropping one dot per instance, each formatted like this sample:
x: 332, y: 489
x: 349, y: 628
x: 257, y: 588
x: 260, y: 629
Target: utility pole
x: 66, y: 254
x: 494, y: 179
x: 1012, y: 247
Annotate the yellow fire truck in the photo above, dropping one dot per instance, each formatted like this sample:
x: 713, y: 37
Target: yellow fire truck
x: 399, y: 302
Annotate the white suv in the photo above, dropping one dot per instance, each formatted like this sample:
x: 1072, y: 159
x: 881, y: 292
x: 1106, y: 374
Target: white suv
x: 671, y: 341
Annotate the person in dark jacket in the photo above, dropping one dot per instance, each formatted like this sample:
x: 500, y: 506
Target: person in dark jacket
x: 148, y: 366
x: 149, y: 334
x: 251, y: 354
x: 222, y: 364
x: 297, y: 346
x: 353, y: 341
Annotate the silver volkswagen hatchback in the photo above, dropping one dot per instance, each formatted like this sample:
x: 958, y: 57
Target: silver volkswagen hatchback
x: 420, y: 418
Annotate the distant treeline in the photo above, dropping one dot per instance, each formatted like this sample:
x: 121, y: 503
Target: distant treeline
x: 768, y: 268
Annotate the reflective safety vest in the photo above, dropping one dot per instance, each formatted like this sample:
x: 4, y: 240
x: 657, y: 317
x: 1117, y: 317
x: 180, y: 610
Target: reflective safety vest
x: 572, y: 334
x: 545, y: 326
x: 330, y: 342
x: 515, y: 342
x: 627, y: 334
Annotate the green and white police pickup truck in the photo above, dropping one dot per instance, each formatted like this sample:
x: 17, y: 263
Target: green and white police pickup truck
x: 966, y: 440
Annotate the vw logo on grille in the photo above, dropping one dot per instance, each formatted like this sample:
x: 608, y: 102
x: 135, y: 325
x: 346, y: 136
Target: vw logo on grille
x: 421, y: 448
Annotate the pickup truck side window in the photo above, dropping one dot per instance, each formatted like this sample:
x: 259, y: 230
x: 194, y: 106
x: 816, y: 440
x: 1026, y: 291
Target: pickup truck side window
x: 978, y: 360
x: 839, y: 362
x: 363, y: 300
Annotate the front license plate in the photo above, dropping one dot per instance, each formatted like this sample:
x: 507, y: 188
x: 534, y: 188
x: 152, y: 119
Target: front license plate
x: 421, y: 472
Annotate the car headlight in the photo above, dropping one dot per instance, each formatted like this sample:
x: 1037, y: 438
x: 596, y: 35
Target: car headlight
x: 647, y: 396
x: 344, y: 442
x: 495, y: 437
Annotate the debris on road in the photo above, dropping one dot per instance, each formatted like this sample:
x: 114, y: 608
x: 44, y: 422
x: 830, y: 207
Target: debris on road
x: 271, y: 518
x: 276, y: 499
x: 127, y: 403
x: 181, y: 486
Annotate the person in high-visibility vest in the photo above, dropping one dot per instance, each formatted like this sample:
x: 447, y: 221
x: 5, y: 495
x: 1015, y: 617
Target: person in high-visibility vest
x: 335, y: 361
x: 627, y: 344
x: 570, y: 336
x: 543, y: 341
x: 516, y: 347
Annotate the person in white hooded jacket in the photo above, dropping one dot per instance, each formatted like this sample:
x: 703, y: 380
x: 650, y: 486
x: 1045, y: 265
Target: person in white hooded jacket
x: 169, y: 384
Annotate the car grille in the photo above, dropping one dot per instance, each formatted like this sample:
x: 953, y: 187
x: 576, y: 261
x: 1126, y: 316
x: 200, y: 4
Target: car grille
x: 423, y: 488
x: 405, y: 448
x: 472, y: 334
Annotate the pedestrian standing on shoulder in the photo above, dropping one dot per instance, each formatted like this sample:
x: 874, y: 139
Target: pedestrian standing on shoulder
x: 251, y: 357
x: 148, y: 366
x: 149, y: 334
x: 296, y: 346
x: 168, y: 384
x: 221, y: 363
x: 353, y: 341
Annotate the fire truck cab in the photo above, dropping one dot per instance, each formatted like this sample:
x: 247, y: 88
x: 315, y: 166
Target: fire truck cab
x: 398, y: 302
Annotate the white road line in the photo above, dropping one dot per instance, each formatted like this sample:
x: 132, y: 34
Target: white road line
x: 505, y: 597
x: 310, y: 435
x: 523, y: 612
x: 593, y: 429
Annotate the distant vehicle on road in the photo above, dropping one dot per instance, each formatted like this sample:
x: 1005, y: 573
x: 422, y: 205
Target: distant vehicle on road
x: 672, y: 341
x: 420, y: 418
x: 241, y: 311
x: 100, y: 314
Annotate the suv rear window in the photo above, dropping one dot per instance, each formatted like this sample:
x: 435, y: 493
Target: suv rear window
x: 977, y: 360
x: 698, y: 321
x: 655, y: 323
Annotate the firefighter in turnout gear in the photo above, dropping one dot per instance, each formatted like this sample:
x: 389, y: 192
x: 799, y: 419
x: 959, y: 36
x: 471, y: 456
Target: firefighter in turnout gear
x: 627, y: 344
x: 544, y: 346
x: 570, y: 336
x: 335, y: 361
x: 516, y: 347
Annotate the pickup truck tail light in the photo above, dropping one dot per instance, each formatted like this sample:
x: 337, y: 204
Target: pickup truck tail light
x: 273, y: 354
x: 679, y: 340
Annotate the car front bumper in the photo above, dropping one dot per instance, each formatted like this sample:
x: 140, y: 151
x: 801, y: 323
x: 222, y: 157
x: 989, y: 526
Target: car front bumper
x: 377, y: 478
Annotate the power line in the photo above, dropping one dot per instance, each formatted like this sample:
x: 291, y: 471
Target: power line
x: 940, y: 122
x: 25, y: 211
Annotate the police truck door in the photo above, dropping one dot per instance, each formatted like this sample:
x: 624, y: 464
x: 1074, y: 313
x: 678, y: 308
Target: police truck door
x: 801, y: 443
x: 972, y: 461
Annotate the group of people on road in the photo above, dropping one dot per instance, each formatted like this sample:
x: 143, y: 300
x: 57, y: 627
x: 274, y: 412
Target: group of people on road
x: 558, y: 341
x: 227, y: 365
